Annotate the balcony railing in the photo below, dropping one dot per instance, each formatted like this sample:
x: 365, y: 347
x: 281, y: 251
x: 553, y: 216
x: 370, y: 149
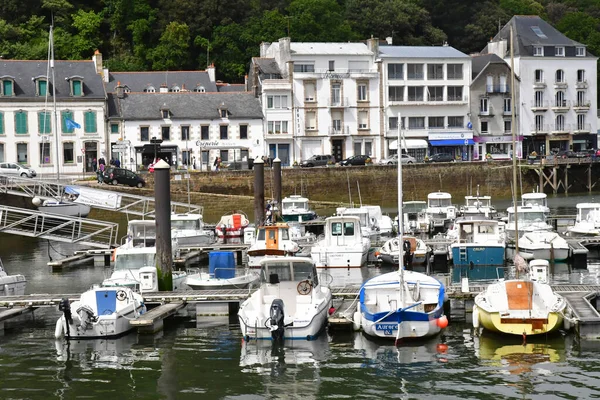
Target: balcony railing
x: 460, y: 99
x: 583, y: 128
x: 581, y: 84
x: 582, y: 106
x: 539, y: 84
x: 339, y: 130
x: 339, y: 102
x: 496, y: 88
x: 561, y: 106
x: 540, y: 129
x: 560, y: 85
x: 539, y: 105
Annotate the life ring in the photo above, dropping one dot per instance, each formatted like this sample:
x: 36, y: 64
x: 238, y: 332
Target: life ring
x: 121, y: 295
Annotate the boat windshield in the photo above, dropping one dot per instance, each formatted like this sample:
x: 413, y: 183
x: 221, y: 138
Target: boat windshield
x: 284, y: 233
x: 186, y: 224
x: 342, y: 229
x: 589, y: 214
x: 295, y: 205
x: 478, y: 202
x: 143, y: 231
x: 440, y: 202
x: 286, y: 272
x: 536, y: 216
x: 134, y: 261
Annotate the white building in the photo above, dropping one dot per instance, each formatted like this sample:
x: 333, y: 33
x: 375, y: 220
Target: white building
x: 323, y: 96
x: 29, y: 125
x: 428, y: 86
x: 557, y: 78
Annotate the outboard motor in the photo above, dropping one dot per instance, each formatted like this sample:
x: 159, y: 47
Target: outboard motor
x: 276, y: 320
x: 86, y: 316
x: 65, y: 307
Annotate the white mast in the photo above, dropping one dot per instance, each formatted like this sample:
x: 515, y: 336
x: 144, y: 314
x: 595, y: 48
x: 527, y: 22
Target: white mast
x: 400, y: 215
x: 51, y: 61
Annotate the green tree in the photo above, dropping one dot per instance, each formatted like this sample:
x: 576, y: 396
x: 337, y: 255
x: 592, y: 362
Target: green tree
x: 318, y: 21
x: 523, y: 7
x: 172, y: 50
x: 87, y: 39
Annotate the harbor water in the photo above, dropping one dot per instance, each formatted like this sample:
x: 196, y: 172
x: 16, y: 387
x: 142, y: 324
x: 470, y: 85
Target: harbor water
x: 206, y: 358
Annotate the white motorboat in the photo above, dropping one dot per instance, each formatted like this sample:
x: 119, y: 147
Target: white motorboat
x: 531, y: 218
x: 439, y: 212
x: 222, y: 274
x: 11, y: 285
x: 587, y: 222
x: 136, y: 268
x: 188, y: 230
x: 101, y: 312
x: 295, y: 208
x: 342, y: 245
x: 231, y: 226
x: 62, y: 207
x: 415, y: 219
x: 271, y: 241
x: 140, y: 233
x: 390, y: 250
x: 543, y: 245
x: 291, y: 303
x: 373, y: 223
x: 478, y: 206
x: 521, y: 307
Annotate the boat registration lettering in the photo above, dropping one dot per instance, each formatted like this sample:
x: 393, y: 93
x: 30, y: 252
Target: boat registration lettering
x: 478, y: 249
x: 386, y: 328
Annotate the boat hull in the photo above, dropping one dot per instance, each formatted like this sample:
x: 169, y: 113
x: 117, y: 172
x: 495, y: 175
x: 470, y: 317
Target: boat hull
x: 12, y: 285
x: 300, y: 217
x: 477, y: 262
x: 66, y: 209
x: 410, y: 327
x: 206, y: 283
x: 494, y: 322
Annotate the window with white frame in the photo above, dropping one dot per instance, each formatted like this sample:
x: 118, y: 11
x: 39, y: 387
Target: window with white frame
x: 435, y: 93
x: 559, y: 51
x: 363, y: 120
x: 580, y: 52
x: 7, y: 87
x: 559, y: 123
x: 560, y: 99
x: 455, y: 71
x: 415, y: 93
x: 581, y: 98
x: 336, y: 121
x: 277, y: 126
x: 144, y: 133
x: 392, y: 123
x: 185, y: 157
x: 436, y: 122
x: 22, y: 150
x: 483, y: 106
x: 396, y: 93
x: 560, y: 76
x: 538, y: 51
x: 489, y: 84
x: 484, y: 126
x: 331, y: 65
x: 416, y: 122
x: 244, y: 131
x: 2, y: 152
x: 165, y: 132
x: 44, y: 153
x: 68, y: 153
x: 507, y: 105
x: 224, y: 154
x: 539, y: 76
x: 455, y: 93
x: 581, y: 75
x: 277, y: 101
x: 336, y: 94
x: 507, y: 126
x: 311, y: 120
x: 204, y: 132
x: 503, y: 85
x: 309, y: 91
x: 395, y: 71
x: 185, y: 132
x: 435, y: 71
x: 303, y: 66
x: 224, y: 132
x: 414, y: 71
x: 456, y: 122
x: 362, y: 92
x: 539, y: 98
x: 581, y: 122
x: 539, y: 123
x: 363, y: 147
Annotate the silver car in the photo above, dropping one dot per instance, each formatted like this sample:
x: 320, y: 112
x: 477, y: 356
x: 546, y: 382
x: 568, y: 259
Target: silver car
x: 393, y: 159
x: 16, y: 169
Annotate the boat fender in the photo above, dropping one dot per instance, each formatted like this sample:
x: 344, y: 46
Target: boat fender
x: 58, y: 330
x: 475, y: 317
x: 567, y: 319
x: 356, y: 320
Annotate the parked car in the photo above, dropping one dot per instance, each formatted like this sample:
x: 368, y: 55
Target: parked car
x: 441, y: 157
x: 355, y: 160
x: 318, y: 160
x: 17, y: 169
x: 393, y: 159
x: 122, y: 176
x: 572, y: 154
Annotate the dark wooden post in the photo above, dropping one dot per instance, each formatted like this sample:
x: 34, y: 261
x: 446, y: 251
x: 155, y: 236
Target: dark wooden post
x: 162, y: 212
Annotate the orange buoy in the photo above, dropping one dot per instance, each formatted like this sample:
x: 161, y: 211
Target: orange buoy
x: 442, y: 348
x: 442, y: 322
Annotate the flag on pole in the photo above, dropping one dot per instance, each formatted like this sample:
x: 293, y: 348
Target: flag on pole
x: 70, y: 124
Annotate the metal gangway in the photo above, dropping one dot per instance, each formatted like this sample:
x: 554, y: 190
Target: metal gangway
x: 127, y: 203
x: 83, y: 231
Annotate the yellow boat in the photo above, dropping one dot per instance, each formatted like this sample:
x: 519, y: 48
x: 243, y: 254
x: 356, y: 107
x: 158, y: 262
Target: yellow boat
x: 521, y: 306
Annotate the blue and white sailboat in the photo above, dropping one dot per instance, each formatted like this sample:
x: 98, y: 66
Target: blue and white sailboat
x: 401, y: 304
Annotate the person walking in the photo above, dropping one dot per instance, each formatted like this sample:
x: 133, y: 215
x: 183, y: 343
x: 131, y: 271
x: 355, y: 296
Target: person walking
x: 216, y: 164
x: 94, y: 165
x: 100, y: 173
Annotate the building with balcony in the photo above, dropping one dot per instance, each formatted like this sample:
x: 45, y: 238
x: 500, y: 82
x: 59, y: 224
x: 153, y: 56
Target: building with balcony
x: 34, y: 132
x: 557, y: 86
x: 427, y: 87
x: 491, y: 108
x: 324, y: 96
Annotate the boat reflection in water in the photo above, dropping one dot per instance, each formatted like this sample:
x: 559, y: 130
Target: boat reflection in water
x: 261, y: 355
x: 427, y: 351
x: 512, y: 356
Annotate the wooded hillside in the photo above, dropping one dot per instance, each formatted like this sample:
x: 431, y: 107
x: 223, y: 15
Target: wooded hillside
x: 188, y: 34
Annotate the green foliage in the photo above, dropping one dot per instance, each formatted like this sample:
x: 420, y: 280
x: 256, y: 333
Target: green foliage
x: 172, y: 50
x: 523, y: 7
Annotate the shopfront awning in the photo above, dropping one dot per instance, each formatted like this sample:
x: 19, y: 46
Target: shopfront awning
x: 452, y: 142
x: 409, y: 144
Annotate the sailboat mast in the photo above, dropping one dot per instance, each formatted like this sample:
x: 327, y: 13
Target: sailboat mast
x: 400, y: 217
x: 54, y: 102
x: 514, y: 139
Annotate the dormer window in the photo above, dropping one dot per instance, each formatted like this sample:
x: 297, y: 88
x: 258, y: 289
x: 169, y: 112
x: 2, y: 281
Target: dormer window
x: 199, y: 89
x: 126, y: 89
x: 149, y: 89
x: 175, y: 89
x: 223, y: 113
x: 8, y: 86
x: 580, y: 52
x: 76, y: 83
x: 538, y: 51
x: 166, y: 114
x: 559, y: 51
x: 41, y: 86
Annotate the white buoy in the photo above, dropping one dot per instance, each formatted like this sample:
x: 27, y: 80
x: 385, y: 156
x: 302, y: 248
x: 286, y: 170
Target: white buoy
x: 58, y: 330
x: 475, y: 317
x: 36, y: 201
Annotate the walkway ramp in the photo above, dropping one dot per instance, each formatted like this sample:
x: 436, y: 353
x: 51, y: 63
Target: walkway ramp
x: 588, y: 318
x: 97, y: 198
x: 87, y: 232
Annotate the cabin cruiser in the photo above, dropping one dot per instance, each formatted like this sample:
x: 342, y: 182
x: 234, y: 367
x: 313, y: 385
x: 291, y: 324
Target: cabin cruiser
x: 373, y: 222
x: 11, y: 285
x: 271, y: 241
x: 295, y: 209
x: 342, y: 244
x: 231, y: 227
x: 415, y: 219
x: 291, y: 302
x: 532, y: 215
x: 188, y: 230
x: 440, y: 212
x: 587, y: 222
x: 478, y: 206
x: 222, y: 274
x: 544, y: 245
x: 419, y: 251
